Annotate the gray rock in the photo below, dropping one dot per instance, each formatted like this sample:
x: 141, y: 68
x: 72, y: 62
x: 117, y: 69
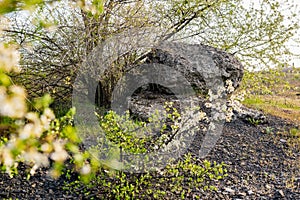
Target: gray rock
x: 281, y: 193
x: 283, y: 140
x: 200, y: 64
x: 143, y: 108
x: 250, y: 192
x: 229, y: 190
x: 249, y: 115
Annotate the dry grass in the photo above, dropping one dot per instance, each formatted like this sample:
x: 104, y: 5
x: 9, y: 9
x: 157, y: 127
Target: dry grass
x: 285, y: 100
x: 281, y: 106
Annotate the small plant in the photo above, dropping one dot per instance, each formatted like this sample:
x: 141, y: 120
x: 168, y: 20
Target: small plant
x: 268, y: 130
x: 294, y: 138
x: 254, y: 121
x: 295, y: 132
x: 291, y: 137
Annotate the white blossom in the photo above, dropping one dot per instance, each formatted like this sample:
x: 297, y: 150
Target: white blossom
x: 59, y: 153
x: 86, y: 169
x: 9, y: 58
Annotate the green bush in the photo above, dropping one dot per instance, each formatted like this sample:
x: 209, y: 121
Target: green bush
x: 180, y: 179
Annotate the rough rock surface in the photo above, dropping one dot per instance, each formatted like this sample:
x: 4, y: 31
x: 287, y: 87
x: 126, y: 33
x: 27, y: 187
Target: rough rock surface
x: 142, y: 107
x: 250, y: 115
x: 194, y: 62
x: 200, y: 64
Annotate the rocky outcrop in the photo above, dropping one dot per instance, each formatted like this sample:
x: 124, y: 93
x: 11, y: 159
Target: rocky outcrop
x: 199, y: 64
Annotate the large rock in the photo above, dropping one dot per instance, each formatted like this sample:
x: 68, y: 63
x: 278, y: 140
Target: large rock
x: 200, y: 65
x: 183, y: 61
x: 151, y: 97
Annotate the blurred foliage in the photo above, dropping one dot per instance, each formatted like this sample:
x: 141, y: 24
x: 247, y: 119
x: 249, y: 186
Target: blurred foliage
x: 264, y: 82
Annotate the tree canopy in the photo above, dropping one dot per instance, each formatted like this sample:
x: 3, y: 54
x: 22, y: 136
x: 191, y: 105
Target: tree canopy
x: 61, y: 34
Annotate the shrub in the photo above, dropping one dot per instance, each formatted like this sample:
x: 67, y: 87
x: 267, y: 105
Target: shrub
x: 181, y: 179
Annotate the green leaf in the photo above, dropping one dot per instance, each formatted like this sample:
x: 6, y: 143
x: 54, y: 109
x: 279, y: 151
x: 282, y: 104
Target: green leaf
x: 43, y: 102
x: 7, y: 6
x: 4, y: 79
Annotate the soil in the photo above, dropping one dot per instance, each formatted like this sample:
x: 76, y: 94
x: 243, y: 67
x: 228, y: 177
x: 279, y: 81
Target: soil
x: 261, y: 165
